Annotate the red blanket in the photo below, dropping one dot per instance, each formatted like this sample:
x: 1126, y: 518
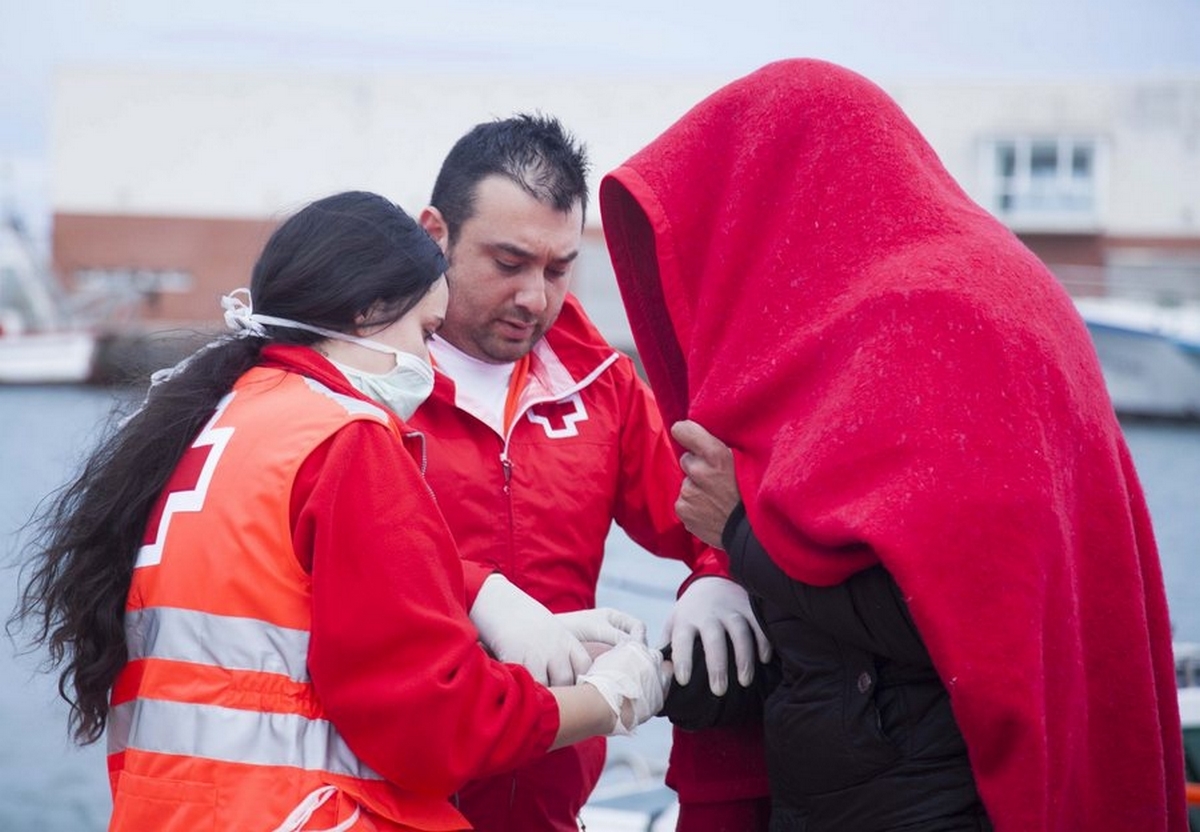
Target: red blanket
x: 904, y: 383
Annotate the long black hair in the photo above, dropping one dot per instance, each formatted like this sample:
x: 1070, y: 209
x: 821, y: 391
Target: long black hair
x: 335, y: 261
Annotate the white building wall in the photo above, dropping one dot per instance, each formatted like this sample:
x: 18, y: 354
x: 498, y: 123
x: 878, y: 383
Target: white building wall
x: 253, y: 145
x: 1150, y: 173
x: 1156, y: 185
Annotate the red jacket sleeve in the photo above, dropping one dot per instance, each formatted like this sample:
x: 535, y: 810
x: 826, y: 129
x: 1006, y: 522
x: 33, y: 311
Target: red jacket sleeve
x: 650, y: 480
x: 393, y: 655
x: 474, y: 574
x: 701, y: 762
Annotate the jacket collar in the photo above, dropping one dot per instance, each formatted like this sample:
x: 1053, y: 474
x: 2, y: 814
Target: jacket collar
x: 570, y: 356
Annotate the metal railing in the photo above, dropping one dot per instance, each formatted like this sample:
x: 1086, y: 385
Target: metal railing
x: 1166, y: 284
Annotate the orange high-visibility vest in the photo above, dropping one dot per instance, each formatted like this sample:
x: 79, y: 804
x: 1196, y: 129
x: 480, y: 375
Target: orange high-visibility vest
x: 214, y: 722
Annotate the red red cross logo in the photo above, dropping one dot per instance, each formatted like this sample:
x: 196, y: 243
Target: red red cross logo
x: 559, y: 419
x: 187, y: 487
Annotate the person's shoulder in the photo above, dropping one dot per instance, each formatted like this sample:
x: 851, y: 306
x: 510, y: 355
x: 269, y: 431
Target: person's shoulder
x: 573, y: 321
x: 574, y: 334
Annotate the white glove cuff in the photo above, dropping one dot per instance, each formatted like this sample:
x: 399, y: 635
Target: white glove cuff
x: 615, y: 693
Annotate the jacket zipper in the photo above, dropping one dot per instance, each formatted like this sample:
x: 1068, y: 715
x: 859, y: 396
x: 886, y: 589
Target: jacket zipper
x: 506, y: 463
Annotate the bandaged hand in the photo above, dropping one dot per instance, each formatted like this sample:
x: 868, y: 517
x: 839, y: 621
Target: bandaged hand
x: 516, y: 628
x: 603, y: 625
x: 710, y: 608
x: 633, y: 682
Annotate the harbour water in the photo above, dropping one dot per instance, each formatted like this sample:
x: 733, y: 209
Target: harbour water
x: 50, y: 785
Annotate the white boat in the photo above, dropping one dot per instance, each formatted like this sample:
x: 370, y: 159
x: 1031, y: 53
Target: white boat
x: 46, y: 357
x: 1149, y: 353
x: 38, y: 344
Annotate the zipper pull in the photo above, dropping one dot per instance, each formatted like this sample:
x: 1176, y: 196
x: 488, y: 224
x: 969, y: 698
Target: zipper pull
x: 506, y: 464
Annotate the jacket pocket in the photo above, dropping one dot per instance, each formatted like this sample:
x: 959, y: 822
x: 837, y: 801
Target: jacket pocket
x: 143, y: 803
x: 824, y: 730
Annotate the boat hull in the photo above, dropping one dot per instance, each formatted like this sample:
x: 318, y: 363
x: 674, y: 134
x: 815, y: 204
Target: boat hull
x: 1150, y: 357
x: 47, y: 357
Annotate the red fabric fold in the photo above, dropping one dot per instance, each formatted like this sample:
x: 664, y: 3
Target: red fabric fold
x: 903, y: 382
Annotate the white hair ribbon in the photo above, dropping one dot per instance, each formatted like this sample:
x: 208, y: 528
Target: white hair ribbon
x: 238, y: 317
x: 239, y: 314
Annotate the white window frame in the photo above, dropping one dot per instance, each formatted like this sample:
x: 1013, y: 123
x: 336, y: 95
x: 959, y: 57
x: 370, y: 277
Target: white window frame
x: 1059, y: 201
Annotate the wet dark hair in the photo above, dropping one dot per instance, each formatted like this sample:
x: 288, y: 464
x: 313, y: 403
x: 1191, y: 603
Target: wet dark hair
x: 349, y: 255
x: 534, y: 151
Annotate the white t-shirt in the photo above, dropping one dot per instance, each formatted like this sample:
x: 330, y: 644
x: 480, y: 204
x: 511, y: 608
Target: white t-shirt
x: 481, y: 388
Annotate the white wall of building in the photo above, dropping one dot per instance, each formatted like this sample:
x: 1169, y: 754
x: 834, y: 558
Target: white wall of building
x: 1150, y: 134
x: 257, y: 144
x: 253, y: 145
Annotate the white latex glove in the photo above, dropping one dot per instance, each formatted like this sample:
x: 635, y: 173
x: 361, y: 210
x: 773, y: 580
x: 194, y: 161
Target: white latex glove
x: 603, y: 625
x: 518, y: 629
x: 711, y: 607
x: 632, y: 681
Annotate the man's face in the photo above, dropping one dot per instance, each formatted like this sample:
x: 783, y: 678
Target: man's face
x: 510, y: 270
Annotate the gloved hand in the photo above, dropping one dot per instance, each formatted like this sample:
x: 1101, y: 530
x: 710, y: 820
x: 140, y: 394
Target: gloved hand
x: 711, y: 607
x: 633, y: 682
x: 603, y: 625
x: 516, y: 628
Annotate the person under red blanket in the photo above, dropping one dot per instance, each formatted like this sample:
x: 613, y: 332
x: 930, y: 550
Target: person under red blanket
x: 254, y: 591
x: 909, y: 411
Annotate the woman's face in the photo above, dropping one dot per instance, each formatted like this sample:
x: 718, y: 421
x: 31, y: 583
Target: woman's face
x: 412, y: 332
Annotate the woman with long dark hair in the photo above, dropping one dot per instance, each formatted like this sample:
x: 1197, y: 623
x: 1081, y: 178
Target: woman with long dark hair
x: 251, y: 589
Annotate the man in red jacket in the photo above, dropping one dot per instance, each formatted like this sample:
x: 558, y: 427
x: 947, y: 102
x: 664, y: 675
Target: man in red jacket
x: 541, y: 434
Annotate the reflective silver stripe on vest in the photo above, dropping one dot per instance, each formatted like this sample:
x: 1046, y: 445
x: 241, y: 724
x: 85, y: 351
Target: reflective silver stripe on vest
x: 233, y: 735
x: 219, y: 640
x: 352, y: 405
x: 220, y: 733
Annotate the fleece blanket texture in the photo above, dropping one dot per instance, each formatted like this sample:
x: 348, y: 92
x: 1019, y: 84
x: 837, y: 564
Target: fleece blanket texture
x: 903, y: 382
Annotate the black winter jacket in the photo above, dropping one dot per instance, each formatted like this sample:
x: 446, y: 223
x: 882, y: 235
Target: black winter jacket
x: 859, y: 731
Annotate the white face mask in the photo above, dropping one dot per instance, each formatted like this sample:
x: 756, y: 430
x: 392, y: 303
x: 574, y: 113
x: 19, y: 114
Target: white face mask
x: 402, y: 388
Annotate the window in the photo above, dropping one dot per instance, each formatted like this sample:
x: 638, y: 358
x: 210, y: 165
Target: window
x: 100, y: 291
x: 132, y: 279
x: 1044, y: 182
